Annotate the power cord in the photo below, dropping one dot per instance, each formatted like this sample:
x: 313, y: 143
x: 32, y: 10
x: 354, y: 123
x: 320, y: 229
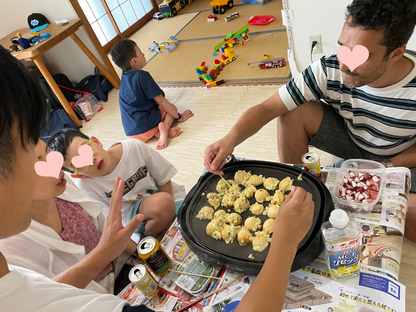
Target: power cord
x: 314, y: 43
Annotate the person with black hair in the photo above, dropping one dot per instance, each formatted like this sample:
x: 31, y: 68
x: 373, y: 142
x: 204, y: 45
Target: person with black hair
x: 22, y: 114
x: 145, y: 112
x: 368, y: 112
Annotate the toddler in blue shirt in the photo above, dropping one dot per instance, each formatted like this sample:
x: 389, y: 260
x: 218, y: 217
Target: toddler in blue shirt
x: 145, y: 112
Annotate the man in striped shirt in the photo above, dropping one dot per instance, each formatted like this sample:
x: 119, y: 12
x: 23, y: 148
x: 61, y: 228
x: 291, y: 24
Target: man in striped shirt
x: 368, y: 112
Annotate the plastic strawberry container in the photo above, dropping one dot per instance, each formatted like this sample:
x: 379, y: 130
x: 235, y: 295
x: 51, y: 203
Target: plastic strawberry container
x: 362, y: 194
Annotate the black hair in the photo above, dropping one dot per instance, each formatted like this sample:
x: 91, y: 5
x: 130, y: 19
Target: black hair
x: 60, y: 140
x: 397, y: 18
x: 22, y: 106
x: 122, y: 53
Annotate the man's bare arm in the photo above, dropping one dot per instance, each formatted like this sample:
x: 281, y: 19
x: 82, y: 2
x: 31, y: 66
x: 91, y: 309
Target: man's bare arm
x: 407, y: 158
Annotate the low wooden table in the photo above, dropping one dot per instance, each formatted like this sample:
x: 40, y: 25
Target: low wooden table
x: 58, y: 34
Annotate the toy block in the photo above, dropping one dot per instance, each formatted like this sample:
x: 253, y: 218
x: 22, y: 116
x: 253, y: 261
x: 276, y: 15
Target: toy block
x: 214, y: 54
x: 220, y: 82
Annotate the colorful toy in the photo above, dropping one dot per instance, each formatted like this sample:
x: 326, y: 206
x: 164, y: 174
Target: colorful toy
x: 209, y: 79
x: 220, y: 6
x: 270, y: 63
x: 261, y: 19
x: 165, y: 46
x: 261, y: 2
x: 240, y: 36
x: 158, y: 16
x: 212, y: 18
x: 232, y: 16
x: 266, y: 56
x: 170, y: 8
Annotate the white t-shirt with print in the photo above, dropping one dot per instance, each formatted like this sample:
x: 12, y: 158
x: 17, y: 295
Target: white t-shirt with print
x: 142, y: 169
x: 26, y: 291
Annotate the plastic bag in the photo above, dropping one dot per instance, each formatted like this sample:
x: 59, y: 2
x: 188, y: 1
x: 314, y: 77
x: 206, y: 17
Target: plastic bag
x: 89, y: 105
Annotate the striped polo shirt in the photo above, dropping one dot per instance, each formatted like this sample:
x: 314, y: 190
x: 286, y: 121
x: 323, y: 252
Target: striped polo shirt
x: 379, y: 120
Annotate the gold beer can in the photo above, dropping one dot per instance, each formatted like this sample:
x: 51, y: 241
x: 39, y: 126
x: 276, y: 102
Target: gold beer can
x: 151, y: 252
x: 143, y: 280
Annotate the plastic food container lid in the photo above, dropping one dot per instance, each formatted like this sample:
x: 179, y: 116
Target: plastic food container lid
x: 358, y: 166
x: 339, y: 218
x: 261, y: 19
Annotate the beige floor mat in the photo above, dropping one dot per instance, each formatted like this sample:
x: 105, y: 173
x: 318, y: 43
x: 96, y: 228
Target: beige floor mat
x: 199, y: 27
x: 180, y: 65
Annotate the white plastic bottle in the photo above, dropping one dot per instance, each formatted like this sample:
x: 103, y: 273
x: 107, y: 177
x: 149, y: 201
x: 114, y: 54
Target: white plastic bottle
x: 342, y: 242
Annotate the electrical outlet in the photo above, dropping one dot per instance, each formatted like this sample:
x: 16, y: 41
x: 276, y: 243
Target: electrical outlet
x: 318, y: 48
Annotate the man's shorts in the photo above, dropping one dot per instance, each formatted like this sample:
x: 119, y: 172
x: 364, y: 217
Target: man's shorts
x: 144, y: 137
x: 135, y: 210
x: 332, y: 137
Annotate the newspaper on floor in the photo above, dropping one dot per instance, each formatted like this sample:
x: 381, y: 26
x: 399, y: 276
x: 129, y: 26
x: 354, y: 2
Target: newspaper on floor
x: 371, y: 292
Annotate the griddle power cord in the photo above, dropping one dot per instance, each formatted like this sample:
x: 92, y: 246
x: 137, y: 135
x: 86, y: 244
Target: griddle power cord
x: 314, y: 43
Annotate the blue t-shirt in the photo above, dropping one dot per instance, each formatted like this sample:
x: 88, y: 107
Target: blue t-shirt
x: 139, y: 112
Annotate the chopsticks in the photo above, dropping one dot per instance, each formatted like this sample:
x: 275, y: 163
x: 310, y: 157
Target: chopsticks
x: 195, y: 274
x: 216, y: 171
x: 209, y: 294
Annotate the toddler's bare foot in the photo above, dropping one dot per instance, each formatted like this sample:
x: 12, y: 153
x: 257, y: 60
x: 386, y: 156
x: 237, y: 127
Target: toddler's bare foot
x: 174, y: 132
x: 163, y: 137
x: 186, y: 115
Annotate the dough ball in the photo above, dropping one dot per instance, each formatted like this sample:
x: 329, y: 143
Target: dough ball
x: 221, y: 216
x: 241, y: 204
x: 229, y: 233
x: 252, y: 223
x: 249, y: 191
x: 268, y: 226
x: 257, y: 209
x: 234, y: 218
x: 270, y: 183
x: 214, y: 200
x: 272, y: 211
x: 213, y: 229
x: 234, y: 189
x: 278, y: 198
x: 222, y: 187
x: 255, y: 180
x: 241, y: 176
x: 261, y: 195
x: 205, y: 213
x: 260, y: 243
x: 243, y: 237
x: 286, y: 184
x: 228, y: 200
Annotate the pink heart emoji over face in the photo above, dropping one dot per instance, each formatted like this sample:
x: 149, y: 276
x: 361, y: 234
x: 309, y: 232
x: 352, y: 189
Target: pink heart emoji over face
x: 85, y: 157
x: 51, y: 167
x: 354, y: 58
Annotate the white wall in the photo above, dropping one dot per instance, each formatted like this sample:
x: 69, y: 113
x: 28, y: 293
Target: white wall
x: 66, y: 57
x: 319, y: 17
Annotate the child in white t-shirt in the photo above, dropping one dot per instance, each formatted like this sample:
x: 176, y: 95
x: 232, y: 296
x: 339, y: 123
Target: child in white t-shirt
x: 148, y: 188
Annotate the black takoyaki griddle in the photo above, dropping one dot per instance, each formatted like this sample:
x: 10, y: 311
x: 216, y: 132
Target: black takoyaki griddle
x: 234, y: 256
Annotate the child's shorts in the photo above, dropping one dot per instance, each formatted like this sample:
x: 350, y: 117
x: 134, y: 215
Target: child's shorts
x: 135, y: 209
x: 144, y: 137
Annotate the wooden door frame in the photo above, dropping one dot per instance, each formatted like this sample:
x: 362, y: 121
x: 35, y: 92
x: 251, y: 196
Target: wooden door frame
x: 94, y: 39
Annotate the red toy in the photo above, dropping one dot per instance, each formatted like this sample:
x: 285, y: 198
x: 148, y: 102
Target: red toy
x: 212, y: 18
x: 261, y: 20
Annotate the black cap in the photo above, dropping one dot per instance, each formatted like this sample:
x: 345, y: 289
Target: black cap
x: 37, y: 21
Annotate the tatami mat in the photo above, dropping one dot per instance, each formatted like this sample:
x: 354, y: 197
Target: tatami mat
x: 166, y: 67
x: 199, y: 27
